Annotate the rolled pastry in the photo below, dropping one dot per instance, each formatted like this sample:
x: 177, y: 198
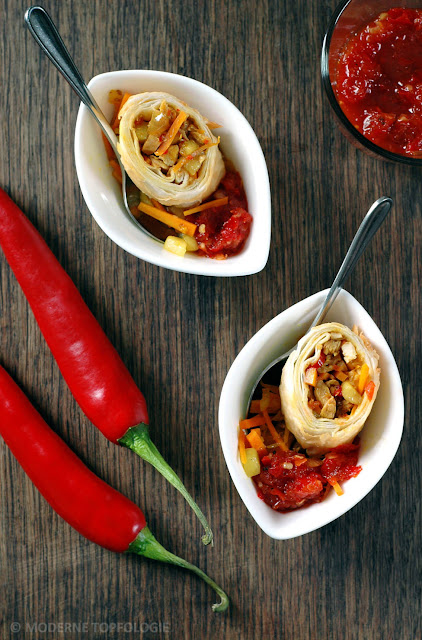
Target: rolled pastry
x: 153, y: 177
x: 314, y: 432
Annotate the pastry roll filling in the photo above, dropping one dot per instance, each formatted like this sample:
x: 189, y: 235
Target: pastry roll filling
x: 169, y: 140
x: 336, y: 378
x: 328, y: 386
x: 168, y: 149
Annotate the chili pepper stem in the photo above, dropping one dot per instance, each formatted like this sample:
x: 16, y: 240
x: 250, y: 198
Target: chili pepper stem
x: 146, y: 545
x: 137, y: 439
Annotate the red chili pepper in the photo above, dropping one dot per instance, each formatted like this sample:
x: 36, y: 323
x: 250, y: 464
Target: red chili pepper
x: 87, y: 503
x: 92, y: 368
x: 337, y: 392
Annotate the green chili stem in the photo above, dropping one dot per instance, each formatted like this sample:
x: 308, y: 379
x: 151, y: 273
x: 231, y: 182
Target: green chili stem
x: 138, y: 440
x: 146, y: 545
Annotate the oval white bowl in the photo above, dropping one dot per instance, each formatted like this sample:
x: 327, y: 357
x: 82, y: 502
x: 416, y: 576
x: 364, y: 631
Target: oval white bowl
x: 380, y: 437
x: 238, y: 142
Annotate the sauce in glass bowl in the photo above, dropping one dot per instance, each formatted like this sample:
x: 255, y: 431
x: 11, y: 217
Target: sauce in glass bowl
x: 378, y: 81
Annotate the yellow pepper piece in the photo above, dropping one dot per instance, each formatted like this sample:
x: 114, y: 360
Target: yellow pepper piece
x: 363, y: 378
x: 175, y: 245
x: 169, y: 219
x: 191, y: 243
x: 252, y: 465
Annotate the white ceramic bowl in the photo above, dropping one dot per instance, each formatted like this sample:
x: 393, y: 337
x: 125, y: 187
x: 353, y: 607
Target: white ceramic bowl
x: 380, y: 436
x: 238, y: 142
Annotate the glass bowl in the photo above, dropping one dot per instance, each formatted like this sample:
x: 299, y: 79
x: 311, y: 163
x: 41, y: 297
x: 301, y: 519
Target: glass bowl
x: 349, y: 17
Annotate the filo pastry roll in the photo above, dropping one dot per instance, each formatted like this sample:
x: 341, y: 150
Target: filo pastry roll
x: 316, y: 396
x: 165, y: 176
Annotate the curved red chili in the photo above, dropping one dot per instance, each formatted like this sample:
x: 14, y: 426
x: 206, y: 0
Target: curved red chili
x: 91, y: 366
x: 87, y: 503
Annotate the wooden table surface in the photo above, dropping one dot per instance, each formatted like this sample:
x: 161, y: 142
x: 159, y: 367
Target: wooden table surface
x: 356, y: 578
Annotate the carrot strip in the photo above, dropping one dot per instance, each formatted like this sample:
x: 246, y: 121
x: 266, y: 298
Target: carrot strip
x: 108, y: 148
x: 169, y: 219
x: 219, y: 202
x: 339, y: 491
x: 117, y: 175
x: 255, y: 440
x: 171, y: 133
x: 114, y: 164
x: 250, y: 423
x: 123, y: 102
x: 242, y: 449
x: 369, y: 389
x: 273, y: 432
x: 158, y: 205
x: 117, y: 172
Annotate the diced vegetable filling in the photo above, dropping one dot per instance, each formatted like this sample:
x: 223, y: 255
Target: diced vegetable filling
x: 285, y: 477
x: 337, y: 380
x: 168, y: 139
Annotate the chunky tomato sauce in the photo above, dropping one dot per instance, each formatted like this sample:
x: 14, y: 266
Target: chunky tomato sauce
x: 378, y: 81
x: 289, y: 480
x: 222, y: 231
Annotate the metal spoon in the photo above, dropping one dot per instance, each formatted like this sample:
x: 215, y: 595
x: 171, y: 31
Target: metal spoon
x: 369, y: 226
x: 46, y: 35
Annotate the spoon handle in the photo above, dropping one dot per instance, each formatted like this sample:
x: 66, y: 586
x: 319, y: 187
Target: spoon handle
x: 43, y: 30
x: 368, y: 228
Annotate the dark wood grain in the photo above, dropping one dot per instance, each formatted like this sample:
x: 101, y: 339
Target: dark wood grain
x: 357, y: 578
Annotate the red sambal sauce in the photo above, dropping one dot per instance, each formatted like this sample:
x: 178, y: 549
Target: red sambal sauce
x: 378, y: 81
x: 289, y: 480
x: 223, y: 231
